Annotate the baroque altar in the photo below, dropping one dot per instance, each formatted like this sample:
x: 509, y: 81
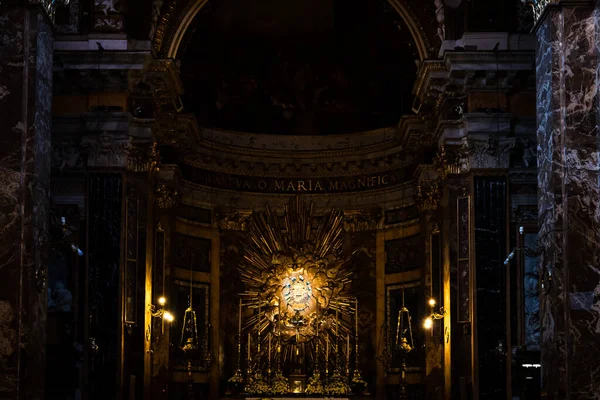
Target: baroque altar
x: 297, y: 323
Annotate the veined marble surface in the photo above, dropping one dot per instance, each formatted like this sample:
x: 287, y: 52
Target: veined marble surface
x: 569, y: 210
x: 26, y: 51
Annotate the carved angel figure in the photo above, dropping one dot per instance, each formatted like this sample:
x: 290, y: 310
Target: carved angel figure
x: 439, y: 15
x: 106, y: 6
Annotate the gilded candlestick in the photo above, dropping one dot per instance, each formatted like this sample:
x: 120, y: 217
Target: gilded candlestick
x: 259, y: 324
x: 326, y: 354
x: 356, y: 316
x: 249, y: 347
x: 269, y: 366
x: 240, y: 337
x: 348, y: 355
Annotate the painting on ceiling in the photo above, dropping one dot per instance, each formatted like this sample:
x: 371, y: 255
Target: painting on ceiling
x: 299, y: 67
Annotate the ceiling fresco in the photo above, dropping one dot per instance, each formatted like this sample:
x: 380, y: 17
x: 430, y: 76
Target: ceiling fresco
x: 298, y: 67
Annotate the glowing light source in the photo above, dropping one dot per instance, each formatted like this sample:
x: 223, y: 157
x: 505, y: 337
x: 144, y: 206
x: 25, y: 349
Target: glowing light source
x: 162, y: 300
x: 167, y: 316
x: 428, y: 323
x: 432, y: 302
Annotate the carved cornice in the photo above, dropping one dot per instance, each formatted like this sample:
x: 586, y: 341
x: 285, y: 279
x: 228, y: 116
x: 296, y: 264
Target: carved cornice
x: 461, y: 71
x: 489, y: 61
x: 182, y: 132
x: 298, y: 167
x: 268, y: 145
x: 429, y: 70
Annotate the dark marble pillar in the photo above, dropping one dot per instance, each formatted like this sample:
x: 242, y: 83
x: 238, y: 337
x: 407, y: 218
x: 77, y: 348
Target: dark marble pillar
x: 25, y: 98
x: 569, y: 210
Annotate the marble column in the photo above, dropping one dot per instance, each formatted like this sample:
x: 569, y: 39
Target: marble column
x: 569, y: 209
x: 25, y: 99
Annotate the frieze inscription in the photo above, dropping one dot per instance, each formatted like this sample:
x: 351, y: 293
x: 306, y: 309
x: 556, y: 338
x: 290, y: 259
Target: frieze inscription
x: 294, y: 185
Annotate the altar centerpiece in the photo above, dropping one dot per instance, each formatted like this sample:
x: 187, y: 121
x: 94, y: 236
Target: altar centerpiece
x: 297, y: 276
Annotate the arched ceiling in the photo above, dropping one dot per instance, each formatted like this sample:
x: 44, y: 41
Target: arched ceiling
x: 298, y: 67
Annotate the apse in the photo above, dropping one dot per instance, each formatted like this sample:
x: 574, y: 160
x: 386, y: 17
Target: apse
x: 298, y: 67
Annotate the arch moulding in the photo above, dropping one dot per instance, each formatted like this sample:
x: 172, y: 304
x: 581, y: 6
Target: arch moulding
x: 177, y: 15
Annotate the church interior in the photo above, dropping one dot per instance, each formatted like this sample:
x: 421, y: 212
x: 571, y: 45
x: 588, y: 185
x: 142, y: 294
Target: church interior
x: 261, y: 199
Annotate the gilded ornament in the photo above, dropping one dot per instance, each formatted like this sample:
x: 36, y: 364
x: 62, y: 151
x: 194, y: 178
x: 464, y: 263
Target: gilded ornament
x: 440, y: 163
x: 337, y: 385
x: 256, y: 384
x: 167, y: 197
x: 298, y: 274
x: 428, y: 199
x: 280, y: 385
x: 315, y: 384
x: 154, y: 160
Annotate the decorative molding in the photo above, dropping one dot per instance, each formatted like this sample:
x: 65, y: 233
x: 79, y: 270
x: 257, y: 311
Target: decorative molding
x: 291, y: 144
x: 463, y: 204
x: 440, y: 163
x: 156, y: 9
x: 478, y: 153
x: 297, y: 165
x: 144, y: 159
x: 108, y: 16
x: 66, y: 153
x: 428, y: 197
x: 167, y: 197
x: 362, y: 220
x: 107, y: 150
x: 177, y: 130
x: 234, y: 220
x: 160, y: 81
